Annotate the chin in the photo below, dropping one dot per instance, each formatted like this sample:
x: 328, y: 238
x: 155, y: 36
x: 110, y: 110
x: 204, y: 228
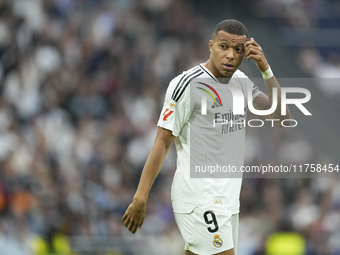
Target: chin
x: 226, y: 75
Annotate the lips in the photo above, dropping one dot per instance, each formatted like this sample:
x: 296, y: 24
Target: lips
x: 228, y: 66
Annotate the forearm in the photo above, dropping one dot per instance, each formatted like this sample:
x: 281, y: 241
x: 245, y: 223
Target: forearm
x: 151, y: 169
x: 270, y: 84
x: 255, y: 52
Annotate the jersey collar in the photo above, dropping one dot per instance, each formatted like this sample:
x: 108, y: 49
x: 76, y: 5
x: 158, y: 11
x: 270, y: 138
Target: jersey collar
x: 208, y: 72
x: 211, y: 75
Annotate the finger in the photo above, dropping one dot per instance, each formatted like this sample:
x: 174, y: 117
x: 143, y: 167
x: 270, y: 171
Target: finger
x: 131, y: 225
x: 254, y: 57
x: 248, y: 43
x: 140, y: 225
x: 127, y: 222
x: 134, y: 229
x: 254, y: 47
x: 254, y: 51
x: 251, y: 42
x: 251, y: 56
x: 124, y: 217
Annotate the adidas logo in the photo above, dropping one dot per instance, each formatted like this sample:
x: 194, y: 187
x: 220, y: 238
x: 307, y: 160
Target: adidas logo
x: 216, y: 103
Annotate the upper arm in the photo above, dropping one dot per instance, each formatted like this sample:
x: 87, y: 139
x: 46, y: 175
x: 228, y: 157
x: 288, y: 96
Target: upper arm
x: 177, y: 107
x: 165, y: 137
x: 261, y: 102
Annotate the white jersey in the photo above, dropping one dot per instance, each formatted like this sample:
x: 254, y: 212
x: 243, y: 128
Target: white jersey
x: 200, y: 143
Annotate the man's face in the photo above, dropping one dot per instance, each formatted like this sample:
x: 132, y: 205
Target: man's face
x: 227, y: 52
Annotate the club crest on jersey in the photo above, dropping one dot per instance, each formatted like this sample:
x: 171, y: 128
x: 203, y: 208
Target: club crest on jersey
x: 172, y: 105
x: 217, y: 241
x: 217, y: 100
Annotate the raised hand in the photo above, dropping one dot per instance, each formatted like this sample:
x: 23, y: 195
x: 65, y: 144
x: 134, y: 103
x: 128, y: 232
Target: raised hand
x: 255, y: 52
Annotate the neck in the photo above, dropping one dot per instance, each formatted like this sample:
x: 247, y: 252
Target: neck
x: 212, y: 68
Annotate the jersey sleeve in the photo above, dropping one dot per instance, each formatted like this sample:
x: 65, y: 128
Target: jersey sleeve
x: 177, y: 107
x: 255, y: 91
x: 247, y: 85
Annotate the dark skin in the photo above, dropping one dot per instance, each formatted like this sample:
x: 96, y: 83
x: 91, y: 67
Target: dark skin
x: 227, y: 52
x: 225, y: 49
x: 135, y: 213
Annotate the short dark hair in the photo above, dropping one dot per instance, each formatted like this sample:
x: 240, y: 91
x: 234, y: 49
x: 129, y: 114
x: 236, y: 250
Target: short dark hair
x: 231, y: 26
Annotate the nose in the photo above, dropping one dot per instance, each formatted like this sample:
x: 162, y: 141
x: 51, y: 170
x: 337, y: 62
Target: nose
x: 230, y: 54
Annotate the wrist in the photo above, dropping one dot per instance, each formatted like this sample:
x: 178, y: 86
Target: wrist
x: 140, y: 201
x: 267, y: 74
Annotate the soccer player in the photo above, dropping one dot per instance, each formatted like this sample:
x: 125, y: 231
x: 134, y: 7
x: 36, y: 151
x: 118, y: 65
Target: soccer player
x: 206, y: 209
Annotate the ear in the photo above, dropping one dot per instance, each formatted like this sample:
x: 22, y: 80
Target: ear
x: 211, y: 42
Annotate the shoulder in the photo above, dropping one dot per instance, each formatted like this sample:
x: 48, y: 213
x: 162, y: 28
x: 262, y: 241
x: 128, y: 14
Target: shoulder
x: 243, y: 79
x: 239, y: 74
x: 180, y: 83
x: 247, y: 83
x: 196, y: 70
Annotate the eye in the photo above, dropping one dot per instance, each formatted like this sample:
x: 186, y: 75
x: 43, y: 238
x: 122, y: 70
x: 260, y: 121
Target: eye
x: 239, y: 50
x: 223, y: 46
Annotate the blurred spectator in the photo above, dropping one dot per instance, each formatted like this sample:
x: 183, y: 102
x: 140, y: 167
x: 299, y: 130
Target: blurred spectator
x: 82, y: 83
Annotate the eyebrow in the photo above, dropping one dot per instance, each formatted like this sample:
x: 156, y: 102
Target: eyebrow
x: 241, y: 44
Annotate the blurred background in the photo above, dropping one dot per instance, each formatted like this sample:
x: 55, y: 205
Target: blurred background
x: 82, y: 84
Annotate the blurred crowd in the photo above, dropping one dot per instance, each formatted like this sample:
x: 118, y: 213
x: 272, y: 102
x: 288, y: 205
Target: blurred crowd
x: 82, y: 84
x: 312, y: 28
